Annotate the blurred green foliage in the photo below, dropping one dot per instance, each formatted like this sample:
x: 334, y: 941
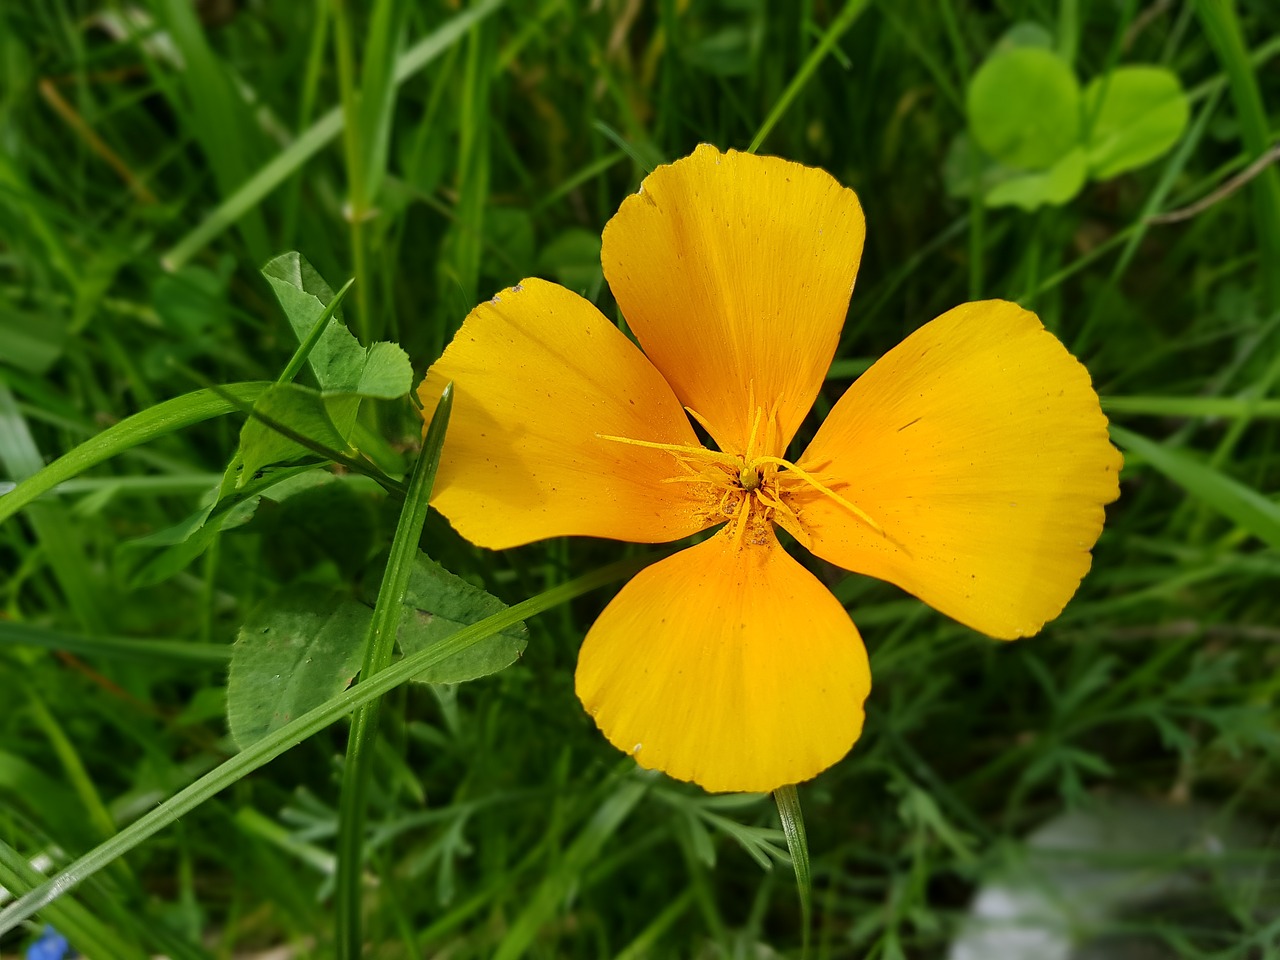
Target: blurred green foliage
x: 155, y: 155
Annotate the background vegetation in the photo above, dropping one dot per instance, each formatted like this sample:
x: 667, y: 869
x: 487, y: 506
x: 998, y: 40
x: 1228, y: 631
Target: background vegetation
x: 154, y: 155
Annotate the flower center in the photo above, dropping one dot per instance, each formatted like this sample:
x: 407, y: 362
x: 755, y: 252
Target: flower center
x: 750, y: 490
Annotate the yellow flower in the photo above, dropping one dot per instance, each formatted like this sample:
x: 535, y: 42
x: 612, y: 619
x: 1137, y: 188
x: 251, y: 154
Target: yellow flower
x: 969, y: 466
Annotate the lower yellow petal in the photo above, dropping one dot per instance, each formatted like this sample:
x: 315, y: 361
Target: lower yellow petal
x: 730, y: 666
x: 540, y: 377
x: 979, y: 446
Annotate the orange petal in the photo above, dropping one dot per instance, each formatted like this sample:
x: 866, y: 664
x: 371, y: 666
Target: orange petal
x: 729, y: 666
x: 539, y: 375
x: 979, y: 446
x: 734, y: 272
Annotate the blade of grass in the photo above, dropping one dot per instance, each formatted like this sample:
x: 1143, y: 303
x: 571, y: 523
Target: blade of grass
x: 317, y: 331
x: 59, y: 538
x: 115, y: 648
x: 146, y: 425
x: 792, y: 817
x: 568, y: 871
x: 1244, y: 505
x: 379, y: 645
x: 1228, y: 407
x: 1222, y: 25
x: 73, y: 920
x: 314, y: 139
x: 219, y: 116
x: 283, y: 739
x: 843, y: 21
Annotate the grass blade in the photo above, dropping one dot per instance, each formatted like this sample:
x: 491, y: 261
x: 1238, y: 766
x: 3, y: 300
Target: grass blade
x: 792, y: 817
x: 1244, y: 505
x: 316, y: 137
x: 378, y: 649
x: 140, y: 428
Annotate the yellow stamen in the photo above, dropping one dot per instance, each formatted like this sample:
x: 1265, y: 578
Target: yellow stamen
x: 825, y: 490
x: 702, y: 421
x: 679, y: 449
x: 755, y: 432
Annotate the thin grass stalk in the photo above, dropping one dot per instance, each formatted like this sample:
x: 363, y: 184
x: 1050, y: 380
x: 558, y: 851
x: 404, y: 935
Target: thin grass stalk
x: 379, y: 647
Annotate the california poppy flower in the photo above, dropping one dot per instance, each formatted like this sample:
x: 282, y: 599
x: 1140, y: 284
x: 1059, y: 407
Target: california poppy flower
x: 969, y: 465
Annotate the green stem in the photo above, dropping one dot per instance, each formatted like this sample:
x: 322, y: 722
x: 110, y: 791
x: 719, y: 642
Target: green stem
x: 357, y: 202
x: 1222, y: 26
x: 792, y: 817
x: 841, y: 23
x: 379, y: 647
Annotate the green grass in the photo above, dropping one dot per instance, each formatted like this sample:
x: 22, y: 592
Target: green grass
x: 435, y: 152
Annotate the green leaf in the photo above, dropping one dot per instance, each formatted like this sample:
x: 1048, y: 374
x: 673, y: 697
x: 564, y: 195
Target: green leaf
x: 339, y: 362
x: 326, y: 420
x: 967, y: 169
x: 330, y: 519
x: 573, y: 258
x: 315, y: 138
x: 296, y: 651
x: 1024, y: 108
x: 387, y: 372
x: 1244, y: 505
x: 1138, y: 114
x: 1053, y: 187
x: 437, y: 605
x: 337, y: 358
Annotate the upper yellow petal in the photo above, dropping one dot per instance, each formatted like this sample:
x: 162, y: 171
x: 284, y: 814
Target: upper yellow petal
x: 540, y: 376
x: 979, y: 446
x: 729, y: 666
x: 734, y: 272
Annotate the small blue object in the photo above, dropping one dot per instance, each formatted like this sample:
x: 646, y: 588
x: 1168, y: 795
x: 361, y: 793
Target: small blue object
x: 51, y: 946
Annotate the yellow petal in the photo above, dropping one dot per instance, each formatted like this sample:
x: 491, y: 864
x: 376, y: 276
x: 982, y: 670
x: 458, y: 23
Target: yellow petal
x: 979, y: 447
x: 734, y: 273
x: 539, y: 375
x: 729, y: 666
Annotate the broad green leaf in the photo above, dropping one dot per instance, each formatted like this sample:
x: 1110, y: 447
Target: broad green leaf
x: 297, y: 650
x: 325, y: 419
x: 1254, y: 512
x: 1053, y: 187
x: 573, y: 258
x: 967, y: 169
x: 339, y: 362
x: 1024, y: 108
x: 437, y: 605
x: 387, y: 372
x: 331, y: 519
x: 1138, y: 114
x: 337, y: 359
